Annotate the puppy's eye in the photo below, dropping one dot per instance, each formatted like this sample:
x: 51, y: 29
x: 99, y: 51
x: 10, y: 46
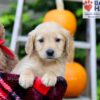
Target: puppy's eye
x: 57, y: 40
x: 41, y: 40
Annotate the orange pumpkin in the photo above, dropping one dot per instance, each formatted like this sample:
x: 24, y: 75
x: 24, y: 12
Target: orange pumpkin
x: 63, y: 17
x: 76, y: 78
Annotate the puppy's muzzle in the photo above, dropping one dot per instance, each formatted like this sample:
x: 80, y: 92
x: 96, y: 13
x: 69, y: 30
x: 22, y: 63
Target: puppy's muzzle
x: 50, y: 53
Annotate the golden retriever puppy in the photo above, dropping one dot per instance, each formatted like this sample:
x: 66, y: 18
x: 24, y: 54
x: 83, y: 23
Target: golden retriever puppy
x: 48, y: 48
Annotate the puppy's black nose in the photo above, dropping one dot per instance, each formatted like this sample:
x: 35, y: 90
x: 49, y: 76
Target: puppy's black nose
x: 50, y: 52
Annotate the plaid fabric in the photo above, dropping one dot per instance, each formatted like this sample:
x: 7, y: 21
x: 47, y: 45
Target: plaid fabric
x: 6, y: 90
x: 10, y: 89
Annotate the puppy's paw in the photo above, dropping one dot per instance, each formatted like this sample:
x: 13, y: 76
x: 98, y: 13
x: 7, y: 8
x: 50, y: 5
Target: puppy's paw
x: 26, y: 81
x: 49, y: 80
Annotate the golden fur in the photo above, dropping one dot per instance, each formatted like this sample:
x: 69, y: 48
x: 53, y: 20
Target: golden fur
x: 46, y: 36
x: 6, y: 63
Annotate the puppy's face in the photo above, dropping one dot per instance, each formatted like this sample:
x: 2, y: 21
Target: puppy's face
x: 50, y: 45
x: 50, y: 41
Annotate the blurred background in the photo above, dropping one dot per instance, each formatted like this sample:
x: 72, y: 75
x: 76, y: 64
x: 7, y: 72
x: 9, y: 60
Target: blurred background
x: 33, y: 14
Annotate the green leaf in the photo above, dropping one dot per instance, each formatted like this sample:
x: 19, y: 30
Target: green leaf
x: 79, y: 12
x: 98, y: 50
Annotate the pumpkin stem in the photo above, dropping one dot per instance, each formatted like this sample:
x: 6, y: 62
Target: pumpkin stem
x: 60, y: 4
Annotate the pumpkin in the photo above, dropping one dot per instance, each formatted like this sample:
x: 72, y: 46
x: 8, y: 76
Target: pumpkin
x: 63, y: 17
x: 76, y: 78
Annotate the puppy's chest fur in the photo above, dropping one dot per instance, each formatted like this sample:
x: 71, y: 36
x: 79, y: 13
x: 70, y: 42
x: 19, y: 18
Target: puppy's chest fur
x: 39, y: 67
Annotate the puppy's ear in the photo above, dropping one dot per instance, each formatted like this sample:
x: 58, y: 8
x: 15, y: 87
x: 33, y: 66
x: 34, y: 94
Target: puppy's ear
x: 30, y: 46
x: 69, y: 46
